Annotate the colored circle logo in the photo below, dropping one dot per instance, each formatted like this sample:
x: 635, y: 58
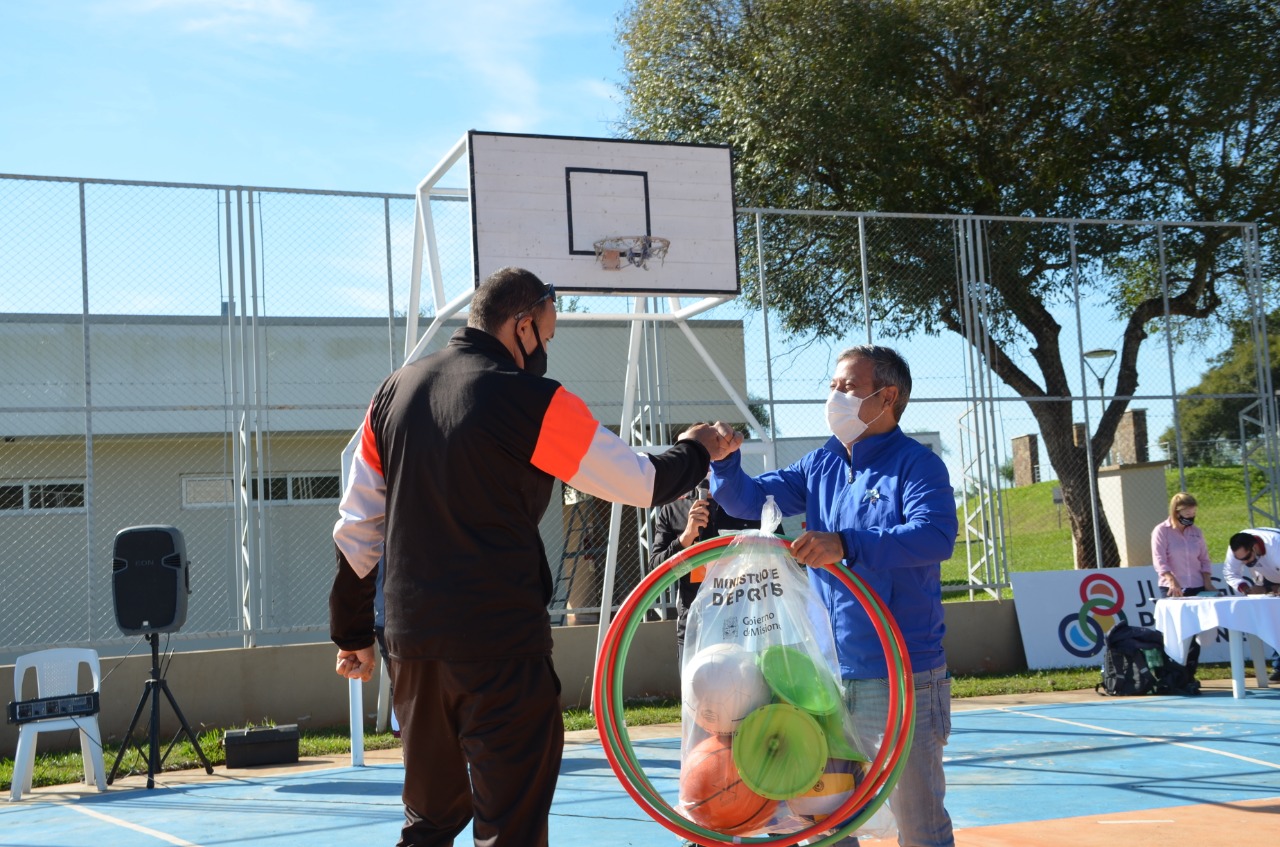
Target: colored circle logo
x: 1099, y: 587
x: 1101, y: 607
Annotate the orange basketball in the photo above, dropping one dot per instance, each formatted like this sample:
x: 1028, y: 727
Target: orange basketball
x: 714, y: 795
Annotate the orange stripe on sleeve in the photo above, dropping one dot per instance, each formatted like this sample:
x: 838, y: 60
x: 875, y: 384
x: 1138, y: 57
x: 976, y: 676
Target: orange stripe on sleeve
x: 567, y: 431
x: 369, y: 444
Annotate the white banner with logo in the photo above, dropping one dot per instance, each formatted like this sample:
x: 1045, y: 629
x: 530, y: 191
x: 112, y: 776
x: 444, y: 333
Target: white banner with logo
x: 1063, y: 615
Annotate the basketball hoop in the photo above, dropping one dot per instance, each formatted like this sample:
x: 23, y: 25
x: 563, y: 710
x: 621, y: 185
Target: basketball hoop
x: 636, y: 250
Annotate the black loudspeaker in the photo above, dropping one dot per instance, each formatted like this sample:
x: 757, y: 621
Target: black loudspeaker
x: 150, y: 580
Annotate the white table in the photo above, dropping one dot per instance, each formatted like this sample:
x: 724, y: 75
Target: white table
x: 1182, y: 618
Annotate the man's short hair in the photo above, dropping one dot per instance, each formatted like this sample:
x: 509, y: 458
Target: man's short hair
x: 889, y: 369
x: 1242, y: 541
x: 505, y: 293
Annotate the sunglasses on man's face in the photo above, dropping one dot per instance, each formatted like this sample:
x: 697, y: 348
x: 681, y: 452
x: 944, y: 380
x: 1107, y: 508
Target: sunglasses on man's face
x: 1249, y: 559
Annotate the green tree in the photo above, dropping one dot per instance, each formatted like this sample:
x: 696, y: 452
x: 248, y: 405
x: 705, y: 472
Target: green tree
x: 1118, y: 109
x: 1209, y: 418
x: 760, y: 409
x: 1006, y: 471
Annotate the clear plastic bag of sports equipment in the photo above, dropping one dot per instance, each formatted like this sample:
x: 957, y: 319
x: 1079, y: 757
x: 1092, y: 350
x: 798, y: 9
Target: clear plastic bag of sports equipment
x: 767, y: 743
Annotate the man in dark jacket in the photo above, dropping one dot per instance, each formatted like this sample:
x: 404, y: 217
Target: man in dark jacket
x: 454, y: 468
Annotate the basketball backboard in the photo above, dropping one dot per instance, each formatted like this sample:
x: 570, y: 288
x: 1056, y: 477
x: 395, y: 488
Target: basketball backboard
x: 594, y: 215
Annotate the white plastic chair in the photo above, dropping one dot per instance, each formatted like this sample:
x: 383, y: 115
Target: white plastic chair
x: 57, y: 673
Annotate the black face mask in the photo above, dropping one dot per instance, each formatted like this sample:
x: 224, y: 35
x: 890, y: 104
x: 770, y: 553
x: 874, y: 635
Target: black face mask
x: 1185, y: 521
x: 535, y: 362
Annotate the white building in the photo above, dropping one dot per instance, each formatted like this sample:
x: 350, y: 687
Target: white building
x: 119, y: 421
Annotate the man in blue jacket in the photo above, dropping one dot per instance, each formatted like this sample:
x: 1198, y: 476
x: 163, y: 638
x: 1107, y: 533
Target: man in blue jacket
x: 882, y: 503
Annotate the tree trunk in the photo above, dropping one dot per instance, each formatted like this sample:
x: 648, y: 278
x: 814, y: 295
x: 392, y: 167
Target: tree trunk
x: 1072, y: 465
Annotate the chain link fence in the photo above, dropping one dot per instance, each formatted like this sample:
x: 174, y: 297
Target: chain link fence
x: 1063, y: 366
x: 198, y: 356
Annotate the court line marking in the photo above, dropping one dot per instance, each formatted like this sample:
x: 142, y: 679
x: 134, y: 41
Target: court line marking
x: 144, y: 830
x: 1152, y: 738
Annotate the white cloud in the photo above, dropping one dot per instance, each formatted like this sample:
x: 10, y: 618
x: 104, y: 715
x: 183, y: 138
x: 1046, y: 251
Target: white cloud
x: 508, y: 121
x: 506, y: 50
x: 289, y: 22
x: 508, y: 58
x: 599, y: 89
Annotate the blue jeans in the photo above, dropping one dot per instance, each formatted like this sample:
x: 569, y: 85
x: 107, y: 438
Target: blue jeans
x: 917, y: 801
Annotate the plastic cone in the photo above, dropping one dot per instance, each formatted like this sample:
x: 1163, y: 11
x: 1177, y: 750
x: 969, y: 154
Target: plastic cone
x: 780, y: 751
x: 837, y: 741
x: 795, y: 678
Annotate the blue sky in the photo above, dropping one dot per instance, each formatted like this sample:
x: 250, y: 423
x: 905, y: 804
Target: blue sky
x: 363, y: 96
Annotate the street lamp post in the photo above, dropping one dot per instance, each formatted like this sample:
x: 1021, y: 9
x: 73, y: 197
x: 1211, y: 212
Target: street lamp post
x: 1105, y: 358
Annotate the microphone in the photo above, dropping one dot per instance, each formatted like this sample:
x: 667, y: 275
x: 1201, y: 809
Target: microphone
x: 703, y: 492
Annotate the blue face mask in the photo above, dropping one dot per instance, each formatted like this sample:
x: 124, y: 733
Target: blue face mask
x: 1186, y: 521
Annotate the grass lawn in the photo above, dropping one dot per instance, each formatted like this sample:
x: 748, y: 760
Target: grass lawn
x: 1038, y: 534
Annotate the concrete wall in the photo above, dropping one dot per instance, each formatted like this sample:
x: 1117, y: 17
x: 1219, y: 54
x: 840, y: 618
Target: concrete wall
x: 296, y: 684
x: 1135, y: 498
x: 1131, y: 446
x: 1026, y: 460
x: 983, y: 637
x: 168, y: 374
x: 59, y: 578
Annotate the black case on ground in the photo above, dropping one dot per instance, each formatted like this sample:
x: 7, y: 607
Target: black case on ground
x: 261, y: 745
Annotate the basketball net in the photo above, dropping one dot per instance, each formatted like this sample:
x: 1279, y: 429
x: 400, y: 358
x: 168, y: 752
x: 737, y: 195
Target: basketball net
x: 636, y: 250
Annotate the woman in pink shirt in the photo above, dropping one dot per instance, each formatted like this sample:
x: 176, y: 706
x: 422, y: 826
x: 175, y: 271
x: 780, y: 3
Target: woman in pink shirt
x: 1179, y: 552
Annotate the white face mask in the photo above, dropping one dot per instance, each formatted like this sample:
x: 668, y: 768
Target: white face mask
x: 842, y: 415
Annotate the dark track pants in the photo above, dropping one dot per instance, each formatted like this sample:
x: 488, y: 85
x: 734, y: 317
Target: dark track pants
x: 500, y: 719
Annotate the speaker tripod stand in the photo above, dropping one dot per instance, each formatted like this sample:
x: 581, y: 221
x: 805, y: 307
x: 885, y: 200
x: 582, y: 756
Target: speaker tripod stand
x: 151, y: 692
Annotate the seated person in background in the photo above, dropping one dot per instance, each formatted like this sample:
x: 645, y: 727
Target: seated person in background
x: 1253, y: 562
x: 1253, y: 567
x: 1179, y: 552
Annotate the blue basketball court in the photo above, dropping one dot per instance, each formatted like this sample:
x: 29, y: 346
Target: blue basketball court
x: 1007, y: 766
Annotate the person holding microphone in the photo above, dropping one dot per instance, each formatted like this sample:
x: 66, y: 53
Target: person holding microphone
x: 682, y: 523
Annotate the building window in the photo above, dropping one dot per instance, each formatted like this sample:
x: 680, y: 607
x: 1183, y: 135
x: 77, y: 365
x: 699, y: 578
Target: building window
x: 204, y: 492
x: 277, y: 487
x: 12, y: 498
x: 43, y: 496
x: 307, y: 488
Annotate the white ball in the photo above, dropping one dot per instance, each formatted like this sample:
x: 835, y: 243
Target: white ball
x: 721, y: 685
